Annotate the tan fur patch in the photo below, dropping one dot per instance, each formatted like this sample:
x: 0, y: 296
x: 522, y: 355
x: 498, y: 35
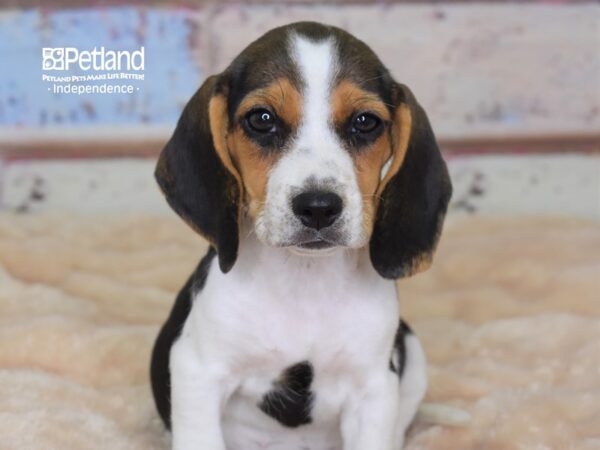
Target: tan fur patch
x: 368, y: 165
x: 254, y: 166
x: 281, y: 96
x: 219, y: 124
x: 348, y: 98
x: 421, y: 264
x: 400, y: 137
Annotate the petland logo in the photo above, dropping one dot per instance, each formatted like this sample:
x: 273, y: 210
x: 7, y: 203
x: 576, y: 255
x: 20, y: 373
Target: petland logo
x: 67, y: 58
x: 97, y: 71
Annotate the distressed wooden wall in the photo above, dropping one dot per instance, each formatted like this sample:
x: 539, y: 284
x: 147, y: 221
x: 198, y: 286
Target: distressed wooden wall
x: 489, y: 75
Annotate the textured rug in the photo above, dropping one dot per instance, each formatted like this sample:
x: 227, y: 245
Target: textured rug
x: 509, y: 316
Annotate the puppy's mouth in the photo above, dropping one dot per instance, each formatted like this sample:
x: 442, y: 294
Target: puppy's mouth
x: 318, y: 244
x: 312, y: 242
x: 319, y: 247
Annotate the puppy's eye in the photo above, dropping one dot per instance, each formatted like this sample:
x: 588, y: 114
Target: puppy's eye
x: 365, y: 123
x: 261, y: 121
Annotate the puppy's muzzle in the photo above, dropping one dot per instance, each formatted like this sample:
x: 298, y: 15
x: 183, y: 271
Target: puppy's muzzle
x: 317, y: 209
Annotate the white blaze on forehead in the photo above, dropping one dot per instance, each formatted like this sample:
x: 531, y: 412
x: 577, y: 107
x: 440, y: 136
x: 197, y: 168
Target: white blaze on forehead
x: 316, y: 62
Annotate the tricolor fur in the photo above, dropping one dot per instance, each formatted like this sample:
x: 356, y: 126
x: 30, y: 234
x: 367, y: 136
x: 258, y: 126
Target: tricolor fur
x: 317, y: 180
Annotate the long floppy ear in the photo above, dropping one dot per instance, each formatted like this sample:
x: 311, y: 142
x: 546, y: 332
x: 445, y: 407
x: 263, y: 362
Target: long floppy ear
x: 196, y: 175
x: 414, y: 195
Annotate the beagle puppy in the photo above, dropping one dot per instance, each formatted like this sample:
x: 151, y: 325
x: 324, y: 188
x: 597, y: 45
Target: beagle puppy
x: 317, y: 181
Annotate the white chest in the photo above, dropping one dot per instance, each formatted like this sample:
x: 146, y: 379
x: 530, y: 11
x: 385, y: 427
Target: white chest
x: 275, y: 310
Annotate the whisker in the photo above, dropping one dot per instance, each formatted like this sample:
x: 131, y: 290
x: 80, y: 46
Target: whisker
x: 366, y: 197
x: 371, y: 79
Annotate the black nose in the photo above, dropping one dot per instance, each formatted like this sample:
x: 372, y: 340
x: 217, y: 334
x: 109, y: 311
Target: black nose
x: 317, y: 209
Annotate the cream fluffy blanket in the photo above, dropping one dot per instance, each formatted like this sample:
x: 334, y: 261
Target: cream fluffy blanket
x: 509, y: 316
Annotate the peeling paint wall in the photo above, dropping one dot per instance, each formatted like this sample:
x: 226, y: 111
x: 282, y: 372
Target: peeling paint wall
x: 479, y: 69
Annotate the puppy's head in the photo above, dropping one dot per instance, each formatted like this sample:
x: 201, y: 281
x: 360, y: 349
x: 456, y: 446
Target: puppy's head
x: 307, y: 135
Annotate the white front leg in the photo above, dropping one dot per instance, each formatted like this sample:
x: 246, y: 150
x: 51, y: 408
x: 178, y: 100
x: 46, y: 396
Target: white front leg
x: 370, y: 418
x: 379, y: 414
x: 198, y: 392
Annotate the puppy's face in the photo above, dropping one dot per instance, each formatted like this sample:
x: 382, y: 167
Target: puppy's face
x: 307, y: 135
x: 309, y: 130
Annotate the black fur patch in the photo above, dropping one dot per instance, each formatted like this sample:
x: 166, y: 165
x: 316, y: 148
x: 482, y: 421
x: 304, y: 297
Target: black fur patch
x: 291, y: 400
x: 195, y: 182
x: 400, y: 348
x: 159, y: 368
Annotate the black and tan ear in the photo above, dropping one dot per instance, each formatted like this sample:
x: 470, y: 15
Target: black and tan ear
x: 414, y: 195
x: 196, y: 175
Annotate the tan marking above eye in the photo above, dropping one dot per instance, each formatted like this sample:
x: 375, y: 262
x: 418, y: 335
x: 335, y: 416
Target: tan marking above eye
x: 347, y: 98
x: 281, y: 96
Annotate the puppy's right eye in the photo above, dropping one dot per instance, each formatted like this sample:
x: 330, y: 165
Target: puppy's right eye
x: 261, y: 121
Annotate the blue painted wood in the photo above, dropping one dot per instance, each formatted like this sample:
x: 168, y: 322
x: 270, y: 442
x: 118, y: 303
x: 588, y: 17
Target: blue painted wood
x: 171, y: 75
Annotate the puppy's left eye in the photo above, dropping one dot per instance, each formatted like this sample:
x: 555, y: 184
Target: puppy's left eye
x: 365, y: 123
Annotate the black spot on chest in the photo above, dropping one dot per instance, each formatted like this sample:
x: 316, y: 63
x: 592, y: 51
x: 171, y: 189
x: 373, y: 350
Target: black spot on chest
x: 290, y: 401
